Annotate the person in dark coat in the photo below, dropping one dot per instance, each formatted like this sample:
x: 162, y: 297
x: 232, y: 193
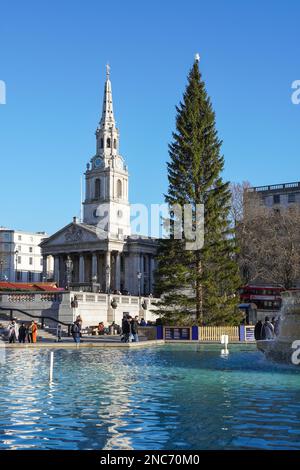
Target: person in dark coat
x: 258, y: 330
x: 126, y: 329
x: 267, y: 329
x: 76, y: 331
x: 22, y: 333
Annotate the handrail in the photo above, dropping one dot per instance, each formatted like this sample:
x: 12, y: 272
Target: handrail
x: 35, y: 316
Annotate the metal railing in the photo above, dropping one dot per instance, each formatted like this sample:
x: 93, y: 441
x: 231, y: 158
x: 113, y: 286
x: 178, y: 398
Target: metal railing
x: 38, y: 317
x: 274, y: 187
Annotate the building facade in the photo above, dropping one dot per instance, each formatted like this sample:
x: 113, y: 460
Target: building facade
x: 99, y: 252
x: 20, y: 256
x: 277, y: 195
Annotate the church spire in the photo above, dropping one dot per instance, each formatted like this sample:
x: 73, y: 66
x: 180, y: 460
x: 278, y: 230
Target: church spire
x: 107, y: 118
x: 107, y: 135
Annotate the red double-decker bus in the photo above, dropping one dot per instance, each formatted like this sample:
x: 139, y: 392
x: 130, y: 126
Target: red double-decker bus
x: 266, y: 298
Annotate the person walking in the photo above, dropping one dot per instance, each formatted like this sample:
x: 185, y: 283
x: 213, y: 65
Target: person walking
x: 135, y: 329
x: 76, y: 330
x: 22, y: 333
x: 258, y: 330
x: 267, y: 329
x: 12, y: 332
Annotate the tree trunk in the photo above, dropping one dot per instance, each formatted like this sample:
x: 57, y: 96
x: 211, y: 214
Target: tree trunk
x: 199, y: 290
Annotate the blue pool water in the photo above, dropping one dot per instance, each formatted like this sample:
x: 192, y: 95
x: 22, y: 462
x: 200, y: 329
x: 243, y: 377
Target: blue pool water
x: 165, y: 397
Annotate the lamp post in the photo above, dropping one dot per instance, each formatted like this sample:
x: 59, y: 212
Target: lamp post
x: 107, y: 273
x: 69, y: 266
x: 16, y: 255
x: 139, y: 276
x: 94, y: 283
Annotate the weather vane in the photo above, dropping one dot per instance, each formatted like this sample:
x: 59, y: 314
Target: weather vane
x: 107, y: 70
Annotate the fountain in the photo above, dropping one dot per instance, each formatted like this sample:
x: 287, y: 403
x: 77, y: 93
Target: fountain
x: 285, y: 347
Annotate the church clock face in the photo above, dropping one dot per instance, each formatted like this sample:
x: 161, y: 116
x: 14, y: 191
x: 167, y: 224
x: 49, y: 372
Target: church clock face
x: 97, y: 162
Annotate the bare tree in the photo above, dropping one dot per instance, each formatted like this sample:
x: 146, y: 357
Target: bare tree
x: 269, y: 243
x: 238, y: 193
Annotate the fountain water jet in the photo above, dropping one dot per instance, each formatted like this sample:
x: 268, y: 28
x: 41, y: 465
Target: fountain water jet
x: 282, y: 348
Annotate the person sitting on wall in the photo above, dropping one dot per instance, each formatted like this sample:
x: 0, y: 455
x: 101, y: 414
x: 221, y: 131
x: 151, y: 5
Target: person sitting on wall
x: 101, y: 328
x: 142, y: 322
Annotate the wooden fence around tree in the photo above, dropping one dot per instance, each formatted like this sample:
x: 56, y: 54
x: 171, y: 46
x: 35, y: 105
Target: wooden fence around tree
x: 214, y: 333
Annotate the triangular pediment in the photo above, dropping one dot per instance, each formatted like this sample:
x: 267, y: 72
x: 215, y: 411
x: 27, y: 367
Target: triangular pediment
x: 75, y: 233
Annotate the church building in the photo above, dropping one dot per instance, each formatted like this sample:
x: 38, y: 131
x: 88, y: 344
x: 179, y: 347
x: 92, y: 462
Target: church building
x: 99, y: 252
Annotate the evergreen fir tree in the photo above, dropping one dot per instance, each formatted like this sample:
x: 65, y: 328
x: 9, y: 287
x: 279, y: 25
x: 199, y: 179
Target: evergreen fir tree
x: 203, y: 282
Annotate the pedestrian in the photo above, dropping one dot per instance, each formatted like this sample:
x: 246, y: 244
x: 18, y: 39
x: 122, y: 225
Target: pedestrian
x: 76, y: 330
x: 58, y: 332
x: 258, y: 330
x: 22, y: 333
x: 135, y: 329
x: 12, y: 332
x: 267, y: 330
x: 126, y: 329
x: 142, y: 322
x: 30, y: 332
x: 34, y: 332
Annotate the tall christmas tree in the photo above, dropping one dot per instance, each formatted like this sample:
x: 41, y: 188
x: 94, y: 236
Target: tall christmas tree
x: 199, y: 283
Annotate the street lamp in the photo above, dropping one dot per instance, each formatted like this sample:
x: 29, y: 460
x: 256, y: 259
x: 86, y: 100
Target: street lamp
x: 69, y: 266
x: 139, y: 276
x: 16, y: 254
x: 107, y: 273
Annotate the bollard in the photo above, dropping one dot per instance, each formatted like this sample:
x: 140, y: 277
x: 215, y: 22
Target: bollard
x: 51, y: 366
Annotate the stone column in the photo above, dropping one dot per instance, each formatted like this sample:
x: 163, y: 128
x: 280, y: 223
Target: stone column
x: 118, y: 271
x: 142, y: 264
x: 136, y: 269
x: 81, y: 268
x: 107, y: 271
x: 56, y: 269
x: 95, y: 266
x: 151, y: 274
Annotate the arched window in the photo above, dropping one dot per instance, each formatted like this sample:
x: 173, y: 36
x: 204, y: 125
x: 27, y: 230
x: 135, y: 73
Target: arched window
x: 97, y: 188
x: 108, y: 143
x: 119, y: 188
x: 101, y: 143
x: 115, y: 143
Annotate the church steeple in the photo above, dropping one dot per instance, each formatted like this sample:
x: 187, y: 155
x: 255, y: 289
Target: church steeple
x: 107, y: 176
x: 107, y: 134
x: 107, y: 118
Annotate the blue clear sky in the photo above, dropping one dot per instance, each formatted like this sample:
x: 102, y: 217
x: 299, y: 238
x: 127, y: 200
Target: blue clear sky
x: 53, y: 56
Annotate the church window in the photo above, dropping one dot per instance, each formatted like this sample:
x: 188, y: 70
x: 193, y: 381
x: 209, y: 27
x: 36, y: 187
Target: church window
x: 115, y: 143
x: 101, y: 143
x: 119, y: 188
x: 97, y: 188
x: 108, y: 143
